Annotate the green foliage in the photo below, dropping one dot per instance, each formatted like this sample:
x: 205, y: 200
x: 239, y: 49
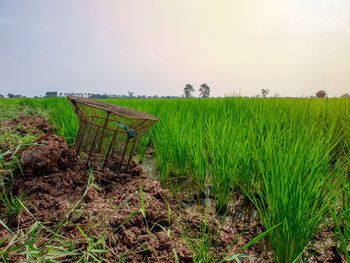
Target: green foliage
x: 297, y: 192
x: 204, y: 91
x: 203, y: 242
x: 264, y: 92
x: 341, y: 214
x: 60, y: 115
x: 321, y: 94
x: 94, y: 250
x: 282, y: 153
x: 51, y: 94
x: 188, y: 90
x: 12, y: 205
x: 8, y: 111
x: 12, y: 140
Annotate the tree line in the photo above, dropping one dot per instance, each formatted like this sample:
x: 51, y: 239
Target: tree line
x: 204, y: 91
x: 188, y: 91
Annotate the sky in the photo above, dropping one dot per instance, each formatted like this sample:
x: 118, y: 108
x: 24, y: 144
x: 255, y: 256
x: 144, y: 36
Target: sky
x: 155, y: 47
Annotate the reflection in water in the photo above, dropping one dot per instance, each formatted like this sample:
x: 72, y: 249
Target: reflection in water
x: 194, y: 194
x: 148, y: 166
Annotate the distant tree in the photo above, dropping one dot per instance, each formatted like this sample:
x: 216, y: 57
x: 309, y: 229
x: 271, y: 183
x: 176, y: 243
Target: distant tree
x: 346, y: 96
x: 130, y: 94
x: 321, y: 94
x: 51, y: 94
x: 13, y: 96
x: 2, y: 96
x: 264, y: 92
x: 188, y: 90
x: 204, y: 91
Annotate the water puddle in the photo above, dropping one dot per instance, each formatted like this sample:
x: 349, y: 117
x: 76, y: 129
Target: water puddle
x: 148, y: 166
x: 239, y: 210
x: 193, y: 193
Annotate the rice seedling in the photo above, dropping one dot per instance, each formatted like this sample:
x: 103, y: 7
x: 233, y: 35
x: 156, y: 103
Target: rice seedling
x: 203, y: 241
x: 296, y: 191
x: 60, y: 115
x: 8, y: 111
x: 341, y: 214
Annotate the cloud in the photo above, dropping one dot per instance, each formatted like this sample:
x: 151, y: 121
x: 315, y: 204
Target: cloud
x: 48, y: 27
x: 9, y: 21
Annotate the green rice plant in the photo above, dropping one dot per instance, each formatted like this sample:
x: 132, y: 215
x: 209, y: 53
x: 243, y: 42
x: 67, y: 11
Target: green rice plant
x: 224, y: 150
x: 296, y: 191
x: 203, y: 243
x: 341, y: 214
x: 342, y: 237
x: 277, y: 151
x: 8, y: 112
x: 59, y: 113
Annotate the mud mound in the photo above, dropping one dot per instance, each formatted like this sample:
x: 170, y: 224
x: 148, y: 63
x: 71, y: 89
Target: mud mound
x: 32, y: 124
x: 51, y: 155
x: 48, y: 153
x: 111, y: 207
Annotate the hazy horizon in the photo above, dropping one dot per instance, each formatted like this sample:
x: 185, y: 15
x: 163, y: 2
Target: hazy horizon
x: 293, y: 48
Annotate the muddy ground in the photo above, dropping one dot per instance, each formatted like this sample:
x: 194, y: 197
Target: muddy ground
x: 62, y: 194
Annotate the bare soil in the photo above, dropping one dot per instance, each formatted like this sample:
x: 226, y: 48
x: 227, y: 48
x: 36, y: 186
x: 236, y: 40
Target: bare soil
x: 61, y: 193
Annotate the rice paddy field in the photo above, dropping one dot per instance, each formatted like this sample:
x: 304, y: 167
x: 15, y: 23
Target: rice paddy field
x: 286, y: 158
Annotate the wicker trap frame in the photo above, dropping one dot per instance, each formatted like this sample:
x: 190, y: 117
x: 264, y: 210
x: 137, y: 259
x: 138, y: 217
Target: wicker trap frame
x: 108, y: 131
